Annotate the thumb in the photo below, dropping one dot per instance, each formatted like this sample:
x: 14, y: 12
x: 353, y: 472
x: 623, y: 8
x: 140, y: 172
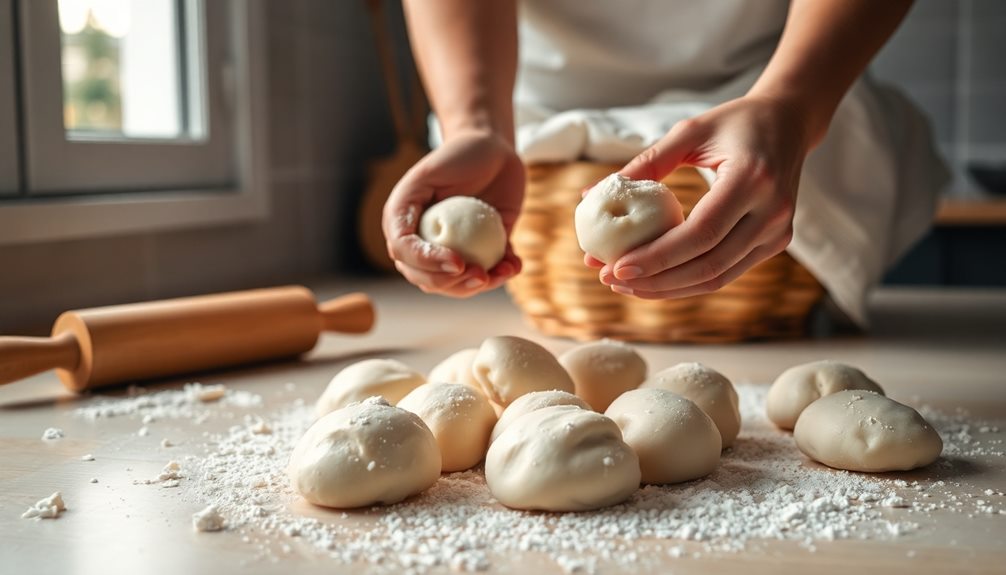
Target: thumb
x: 667, y: 154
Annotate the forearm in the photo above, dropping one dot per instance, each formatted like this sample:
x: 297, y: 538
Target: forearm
x: 466, y: 53
x: 825, y: 46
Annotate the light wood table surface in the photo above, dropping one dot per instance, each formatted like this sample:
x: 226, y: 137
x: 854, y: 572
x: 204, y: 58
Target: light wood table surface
x: 945, y: 347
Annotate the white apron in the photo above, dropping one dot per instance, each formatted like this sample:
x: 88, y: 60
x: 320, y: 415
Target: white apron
x: 603, y: 79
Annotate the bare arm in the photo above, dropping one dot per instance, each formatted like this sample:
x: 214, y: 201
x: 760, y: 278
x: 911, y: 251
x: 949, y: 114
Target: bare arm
x: 467, y: 56
x: 757, y: 145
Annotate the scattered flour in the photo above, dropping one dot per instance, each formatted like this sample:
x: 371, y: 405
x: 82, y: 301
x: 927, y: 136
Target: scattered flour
x: 209, y: 519
x: 763, y: 490
x: 52, y: 434
x: 193, y: 402
x: 48, y: 508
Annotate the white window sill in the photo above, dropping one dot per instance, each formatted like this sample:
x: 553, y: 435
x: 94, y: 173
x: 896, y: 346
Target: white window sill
x: 87, y: 216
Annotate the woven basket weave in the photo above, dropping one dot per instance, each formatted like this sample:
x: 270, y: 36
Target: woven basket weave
x: 560, y: 296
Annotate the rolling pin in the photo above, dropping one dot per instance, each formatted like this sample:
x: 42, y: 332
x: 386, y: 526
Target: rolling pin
x: 116, y: 344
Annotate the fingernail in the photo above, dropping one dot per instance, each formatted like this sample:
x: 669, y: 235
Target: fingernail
x: 622, y: 290
x: 450, y: 267
x: 606, y: 279
x: 628, y: 272
x: 473, y: 283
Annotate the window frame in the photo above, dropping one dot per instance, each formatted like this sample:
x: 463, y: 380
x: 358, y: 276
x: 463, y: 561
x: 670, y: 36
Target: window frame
x: 41, y: 217
x: 10, y: 181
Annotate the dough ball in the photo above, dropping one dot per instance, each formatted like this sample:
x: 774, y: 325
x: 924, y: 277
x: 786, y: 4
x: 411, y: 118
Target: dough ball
x: 709, y: 389
x: 460, y: 418
x: 603, y: 370
x: 388, y: 378
x: 507, y: 367
x: 364, y: 454
x: 532, y: 402
x: 561, y: 458
x: 674, y: 439
x: 457, y: 368
x: 800, y: 386
x: 619, y: 214
x: 861, y: 430
x: 468, y: 226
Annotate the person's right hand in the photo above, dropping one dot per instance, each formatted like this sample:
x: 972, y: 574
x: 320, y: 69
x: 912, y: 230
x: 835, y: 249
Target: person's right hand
x: 475, y: 163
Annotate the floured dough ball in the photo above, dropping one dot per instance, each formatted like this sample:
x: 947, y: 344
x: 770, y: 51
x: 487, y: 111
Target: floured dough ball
x: 561, y: 458
x: 460, y: 418
x: 456, y: 368
x: 674, y: 439
x: 800, y: 386
x: 388, y: 378
x: 532, y: 402
x: 468, y: 226
x: 709, y: 389
x: 507, y: 367
x: 364, y: 454
x: 603, y: 370
x: 861, y: 430
x: 620, y: 214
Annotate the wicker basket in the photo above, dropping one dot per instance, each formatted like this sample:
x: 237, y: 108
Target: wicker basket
x: 560, y: 296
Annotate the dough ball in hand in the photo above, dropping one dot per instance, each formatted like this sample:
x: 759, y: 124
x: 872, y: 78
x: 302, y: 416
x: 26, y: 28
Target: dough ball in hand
x: 460, y: 418
x: 861, y: 430
x: 674, y: 439
x: 603, y: 370
x: 467, y: 225
x: 364, y: 454
x: 620, y: 214
x: 388, y: 378
x: 800, y: 386
x: 561, y: 458
x: 507, y: 367
x: 532, y: 402
x: 708, y: 389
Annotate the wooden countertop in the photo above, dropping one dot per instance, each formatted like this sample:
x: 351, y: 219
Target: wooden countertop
x: 944, y: 348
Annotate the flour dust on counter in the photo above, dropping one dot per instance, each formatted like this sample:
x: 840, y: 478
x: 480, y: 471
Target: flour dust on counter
x: 764, y: 490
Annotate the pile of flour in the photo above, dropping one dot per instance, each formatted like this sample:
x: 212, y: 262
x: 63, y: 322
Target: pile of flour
x: 763, y: 490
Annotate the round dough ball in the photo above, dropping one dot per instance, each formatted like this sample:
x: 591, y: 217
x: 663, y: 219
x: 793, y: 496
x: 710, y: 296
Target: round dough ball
x: 532, y: 402
x: 674, y: 439
x: 861, y: 430
x: 620, y: 214
x: 364, y: 454
x: 456, y: 368
x: 603, y: 370
x: 800, y: 386
x: 507, y: 367
x: 709, y: 389
x: 460, y: 418
x: 468, y: 226
x: 388, y: 378
x: 561, y: 458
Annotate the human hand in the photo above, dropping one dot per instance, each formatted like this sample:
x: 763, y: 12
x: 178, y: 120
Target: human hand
x: 757, y: 146
x: 472, y: 163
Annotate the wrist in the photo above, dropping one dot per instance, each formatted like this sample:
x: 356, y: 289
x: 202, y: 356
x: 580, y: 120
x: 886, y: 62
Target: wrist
x: 479, y: 121
x: 810, y: 112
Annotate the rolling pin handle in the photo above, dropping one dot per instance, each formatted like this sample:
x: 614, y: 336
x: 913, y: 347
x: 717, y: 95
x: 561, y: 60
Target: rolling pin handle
x: 22, y: 357
x: 352, y: 313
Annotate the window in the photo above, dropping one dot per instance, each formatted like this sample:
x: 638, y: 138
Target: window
x: 136, y: 114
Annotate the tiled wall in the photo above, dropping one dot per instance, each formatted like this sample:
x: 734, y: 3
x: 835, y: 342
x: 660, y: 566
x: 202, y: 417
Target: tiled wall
x: 950, y: 57
x: 327, y: 117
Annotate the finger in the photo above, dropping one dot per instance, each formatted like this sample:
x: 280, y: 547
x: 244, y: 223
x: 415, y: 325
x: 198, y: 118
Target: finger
x: 756, y: 256
x: 668, y: 153
x: 713, y: 217
x: 420, y: 254
x: 473, y: 278
x: 746, y: 235
x: 592, y: 262
x: 508, y: 267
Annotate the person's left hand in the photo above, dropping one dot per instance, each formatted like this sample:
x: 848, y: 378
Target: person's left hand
x: 757, y: 147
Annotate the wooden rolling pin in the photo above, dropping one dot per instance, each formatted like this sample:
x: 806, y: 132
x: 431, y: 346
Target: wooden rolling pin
x: 108, y: 345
